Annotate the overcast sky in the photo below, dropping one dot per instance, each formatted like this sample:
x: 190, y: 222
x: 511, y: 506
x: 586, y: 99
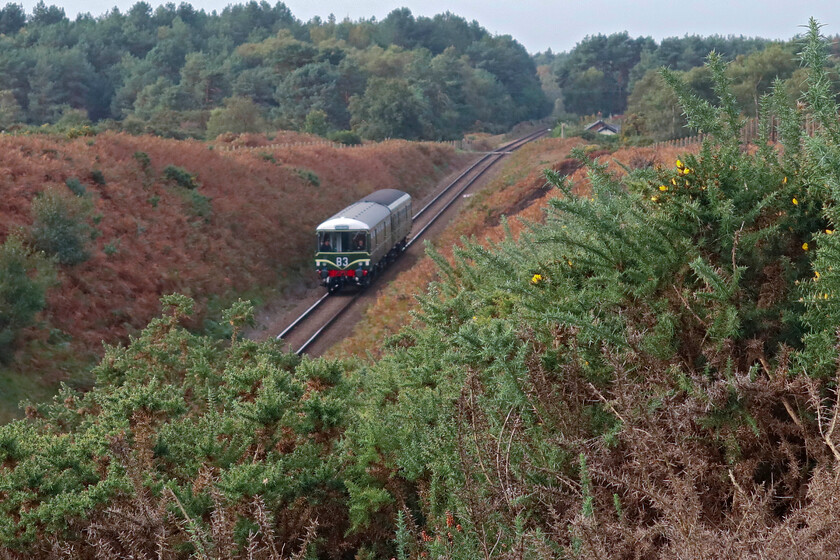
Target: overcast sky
x: 559, y: 25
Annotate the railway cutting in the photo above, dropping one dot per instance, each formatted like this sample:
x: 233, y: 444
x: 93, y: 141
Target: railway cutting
x: 333, y: 314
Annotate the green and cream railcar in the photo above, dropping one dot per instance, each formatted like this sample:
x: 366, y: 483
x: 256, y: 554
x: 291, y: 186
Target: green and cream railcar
x: 356, y: 243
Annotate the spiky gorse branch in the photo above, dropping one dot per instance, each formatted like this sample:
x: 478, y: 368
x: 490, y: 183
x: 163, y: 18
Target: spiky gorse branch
x: 724, y: 120
x: 821, y: 169
x: 818, y: 96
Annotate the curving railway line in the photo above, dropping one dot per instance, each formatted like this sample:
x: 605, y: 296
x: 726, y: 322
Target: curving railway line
x: 303, y: 333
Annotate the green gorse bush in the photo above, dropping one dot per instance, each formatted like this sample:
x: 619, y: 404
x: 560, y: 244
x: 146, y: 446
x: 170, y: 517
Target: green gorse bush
x: 239, y: 417
x: 60, y: 227
x: 25, y: 277
x: 179, y: 176
x: 653, y: 363
x: 75, y: 186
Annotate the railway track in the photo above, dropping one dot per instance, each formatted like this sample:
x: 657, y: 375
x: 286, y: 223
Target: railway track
x: 309, y: 326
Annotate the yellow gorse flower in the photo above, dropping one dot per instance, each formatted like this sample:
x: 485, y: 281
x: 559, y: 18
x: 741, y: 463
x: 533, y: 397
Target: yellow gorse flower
x: 536, y: 279
x: 784, y: 181
x: 663, y: 188
x: 795, y: 202
x: 805, y: 246
x: 679, y: 163
x: 829, y: 231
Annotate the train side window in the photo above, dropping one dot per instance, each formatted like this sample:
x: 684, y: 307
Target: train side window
x: 359, y: 242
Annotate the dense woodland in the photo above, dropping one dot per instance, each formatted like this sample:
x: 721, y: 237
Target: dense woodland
x: 179, y: 71
x: 602, y: 72
x: 619, y: 75
x: 649, y: 372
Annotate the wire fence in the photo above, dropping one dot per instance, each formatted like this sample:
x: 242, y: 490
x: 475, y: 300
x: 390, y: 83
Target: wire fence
x: 749, y: 133
x: 465, y: 145
x: 681, y: 142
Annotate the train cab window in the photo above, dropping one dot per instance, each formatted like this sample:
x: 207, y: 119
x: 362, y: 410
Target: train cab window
x: 341, y: 241
x: 325, y: 242
x: 331, y: 242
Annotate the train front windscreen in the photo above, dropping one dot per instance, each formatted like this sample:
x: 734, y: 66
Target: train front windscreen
x: 342, y: 241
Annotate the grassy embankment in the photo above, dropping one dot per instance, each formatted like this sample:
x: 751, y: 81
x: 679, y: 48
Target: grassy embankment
x: 242, y: 228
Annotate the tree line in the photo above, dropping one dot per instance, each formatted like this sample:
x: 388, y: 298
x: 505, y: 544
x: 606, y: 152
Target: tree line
x: 180, y: 71
x: 620, y: 75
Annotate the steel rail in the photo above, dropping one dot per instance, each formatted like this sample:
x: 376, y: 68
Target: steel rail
x: 473, y: 166
x: 451, y: 201
x: 452, y: 184
x: 326, y: 325
x: 499, y: 155
x: 303, y: 316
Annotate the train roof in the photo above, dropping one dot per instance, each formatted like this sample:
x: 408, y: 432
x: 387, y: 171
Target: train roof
x: 387, y: 197
x: 361, y: 215
x: 368, y: 212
